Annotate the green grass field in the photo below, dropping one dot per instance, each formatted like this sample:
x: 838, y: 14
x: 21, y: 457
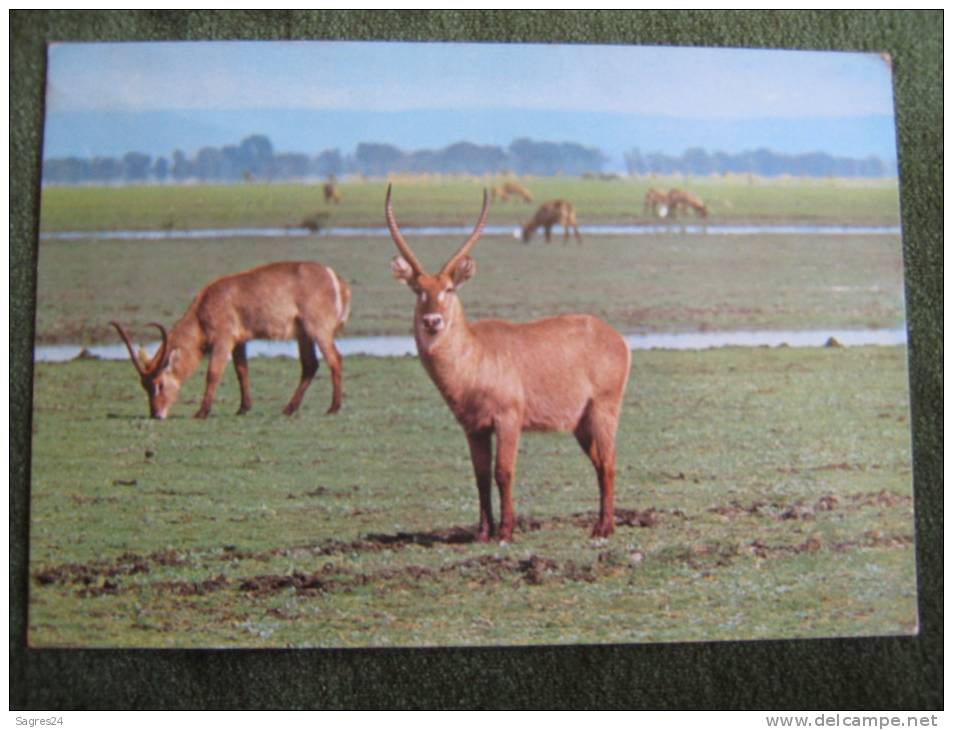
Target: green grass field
x: 666, y: 283
x: 767, y: 493
x: 430, y: 200
x: 761, y: 492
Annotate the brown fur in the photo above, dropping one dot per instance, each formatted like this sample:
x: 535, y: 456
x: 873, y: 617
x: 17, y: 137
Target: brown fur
x: 498, y: 193
x: 511, y: 187
x: 549, y: 214
x: 565, y: 373
x: 331, y: 194
x: 653, y: 199
x: 683, y: 199
x: 283, y: 300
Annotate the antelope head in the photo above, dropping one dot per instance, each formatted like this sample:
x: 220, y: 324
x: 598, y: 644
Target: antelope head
x: 438, y: 307
x: 157, y: 378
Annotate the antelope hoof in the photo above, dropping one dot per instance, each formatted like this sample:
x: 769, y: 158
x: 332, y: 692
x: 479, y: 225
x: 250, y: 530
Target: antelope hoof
x: 202, y: 413
x: 243, y: 410
x: 335, y: 407
x: 602, y: 530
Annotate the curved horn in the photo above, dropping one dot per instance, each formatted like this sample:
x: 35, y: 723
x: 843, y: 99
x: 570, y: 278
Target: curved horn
x: 132, y: 354
x: 162, y: 357
x: 468, y: 244
x: 399, y: 239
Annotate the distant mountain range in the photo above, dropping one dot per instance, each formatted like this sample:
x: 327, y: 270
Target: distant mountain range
x: 95, y: 133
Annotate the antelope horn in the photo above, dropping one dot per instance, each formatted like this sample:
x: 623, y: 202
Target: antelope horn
x: 162, y: 357
x: 468, y: 244
x: 399, y: 239
x: 132, y: 354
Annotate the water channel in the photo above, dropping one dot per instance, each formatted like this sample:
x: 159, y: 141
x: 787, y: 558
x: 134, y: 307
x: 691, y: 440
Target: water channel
x: 398, y: 346
x: 374, y: 232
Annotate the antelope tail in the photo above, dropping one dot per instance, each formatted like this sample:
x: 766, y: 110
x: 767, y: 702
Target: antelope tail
x: 342, y: 300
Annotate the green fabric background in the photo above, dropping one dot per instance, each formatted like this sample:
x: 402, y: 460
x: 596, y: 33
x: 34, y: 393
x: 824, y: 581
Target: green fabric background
x: 889, y: 673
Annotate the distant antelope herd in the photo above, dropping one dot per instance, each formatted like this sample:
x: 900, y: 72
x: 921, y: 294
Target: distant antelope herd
x: 561, y: 373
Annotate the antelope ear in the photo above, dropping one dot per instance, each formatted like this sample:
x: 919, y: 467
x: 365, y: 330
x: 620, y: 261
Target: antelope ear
x: 463, y: 271
x: 403, y: 271
x: 174, y: 357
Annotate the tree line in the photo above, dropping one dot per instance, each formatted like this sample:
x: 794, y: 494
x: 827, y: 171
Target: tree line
x: 255, y: 158
x: 764, y: 162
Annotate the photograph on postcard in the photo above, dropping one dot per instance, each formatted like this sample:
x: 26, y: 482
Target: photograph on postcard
x: 364, y: 344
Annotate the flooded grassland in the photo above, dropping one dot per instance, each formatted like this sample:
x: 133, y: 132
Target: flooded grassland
x: 762, y: 491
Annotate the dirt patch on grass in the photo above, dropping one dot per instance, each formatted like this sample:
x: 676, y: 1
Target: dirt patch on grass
x: 883, y: 498
x: 193, y: 588
x: 449, y: 536
x: 303, y: 583
x: 103, y: 578
x: 530, y: 570
x: 94, y: 572
x: 79, y: 499
x: 463, y: 535
x: 802, y: 510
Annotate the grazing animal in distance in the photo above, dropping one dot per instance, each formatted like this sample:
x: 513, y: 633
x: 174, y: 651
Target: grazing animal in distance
x: 565, y: 373
x: 655, y: 203
x: 498, y: 193
x: 288, y: 299
x: 511, y: 187
x: 548, y: 215
x: 678, y: 198
x: 331, y: 194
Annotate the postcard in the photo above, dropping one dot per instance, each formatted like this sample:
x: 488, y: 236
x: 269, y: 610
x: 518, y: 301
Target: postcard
x: 363, y: 344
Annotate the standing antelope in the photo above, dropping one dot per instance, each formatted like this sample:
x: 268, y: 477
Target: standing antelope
x: 565, y: 373
x: 655, y: 202
x: 548, y: 215
x: 678, y: 198
x: 331, y: 194
x: 304, y: 300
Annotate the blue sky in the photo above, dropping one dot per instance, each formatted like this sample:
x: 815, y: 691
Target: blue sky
x: 102, y: 97
x: 681, y: 82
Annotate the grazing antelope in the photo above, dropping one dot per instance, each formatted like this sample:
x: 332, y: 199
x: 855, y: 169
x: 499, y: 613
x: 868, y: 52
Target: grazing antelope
x: 548, y: 215
x: 304, y: 300
x: 655, y: 203
x: 504, y: 191
x: 678, y: 198
x: 497, y: 192
x: 331, y: 193
x: 565, y: 373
